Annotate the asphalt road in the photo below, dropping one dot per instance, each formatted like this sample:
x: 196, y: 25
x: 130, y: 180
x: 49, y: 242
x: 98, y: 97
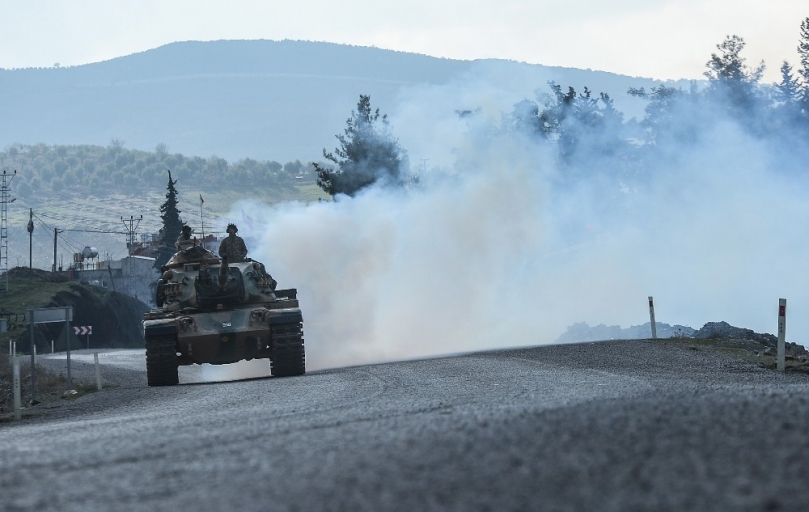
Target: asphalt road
x: 607, y: 426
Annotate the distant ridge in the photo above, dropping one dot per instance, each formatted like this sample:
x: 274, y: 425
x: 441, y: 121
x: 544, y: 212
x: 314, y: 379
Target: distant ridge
x: 240, y: 57
x: 281, y: 100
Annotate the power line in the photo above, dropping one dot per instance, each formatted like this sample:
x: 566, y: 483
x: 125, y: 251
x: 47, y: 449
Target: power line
x: 97, y: 231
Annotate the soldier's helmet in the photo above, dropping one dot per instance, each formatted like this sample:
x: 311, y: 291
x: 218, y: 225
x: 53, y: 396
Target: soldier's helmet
x: 233, y: 227
x: 187, y: 229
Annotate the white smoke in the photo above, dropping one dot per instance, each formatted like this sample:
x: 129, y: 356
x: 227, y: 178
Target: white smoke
x: 492, y: 251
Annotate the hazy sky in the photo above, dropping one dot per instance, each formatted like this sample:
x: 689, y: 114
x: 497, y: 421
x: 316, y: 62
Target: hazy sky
x: 663, y: 39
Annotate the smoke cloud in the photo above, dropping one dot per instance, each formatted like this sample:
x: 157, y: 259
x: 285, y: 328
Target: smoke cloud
x: 501, y: 245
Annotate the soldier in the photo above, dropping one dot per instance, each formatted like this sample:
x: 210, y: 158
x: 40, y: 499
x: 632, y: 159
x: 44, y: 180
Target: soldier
x: 233, y: 247
x: 184, y: 241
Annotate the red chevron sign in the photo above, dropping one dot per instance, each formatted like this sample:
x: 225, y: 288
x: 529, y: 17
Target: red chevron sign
x: 84, y: 329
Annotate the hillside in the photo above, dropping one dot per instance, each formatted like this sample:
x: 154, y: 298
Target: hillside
x: 84, y: 190
x: 280, y: 100
x: 115, y: 318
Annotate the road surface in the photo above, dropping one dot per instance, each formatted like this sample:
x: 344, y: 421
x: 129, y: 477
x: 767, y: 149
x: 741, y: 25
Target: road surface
x: 609, y: 426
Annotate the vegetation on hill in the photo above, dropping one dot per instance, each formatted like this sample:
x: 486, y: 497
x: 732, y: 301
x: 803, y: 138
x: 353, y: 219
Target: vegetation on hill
x: 116, y: 170
x: 83, y: 192
x: 591, y: 138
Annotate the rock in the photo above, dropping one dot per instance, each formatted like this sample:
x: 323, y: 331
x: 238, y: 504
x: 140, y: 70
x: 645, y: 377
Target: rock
x: 582, y: 331
x: 801, y: 368
x: 712, y: 330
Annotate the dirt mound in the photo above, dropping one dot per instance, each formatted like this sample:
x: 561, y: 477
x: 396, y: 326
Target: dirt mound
x: 115, y: 317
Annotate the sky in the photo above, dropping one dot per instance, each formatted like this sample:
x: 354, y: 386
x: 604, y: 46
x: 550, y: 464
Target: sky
x: 662, y: 39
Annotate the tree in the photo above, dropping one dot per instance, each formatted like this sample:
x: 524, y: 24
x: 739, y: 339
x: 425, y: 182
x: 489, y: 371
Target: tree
x: 661, y: 109
x: 524, y: 118
x: 172, y: 225
x: 161, y: 152
x: 577, y: 123
x: 786, y: 111
x: 786, y: 91
x: 731, y: 80
x: 368, y: 154
x: 557, y: 110
x: 803, y: 51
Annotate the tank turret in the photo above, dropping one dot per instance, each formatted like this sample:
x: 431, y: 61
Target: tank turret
x: 197, y: 278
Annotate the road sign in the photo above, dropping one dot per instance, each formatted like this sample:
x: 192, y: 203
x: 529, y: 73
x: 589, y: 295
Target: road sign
x: 50, y: 315
x: 83, y: 329
x: 47, y: 316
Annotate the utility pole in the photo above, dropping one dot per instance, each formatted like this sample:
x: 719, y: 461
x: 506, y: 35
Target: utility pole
x: 55, y: 235
x: 30, y: 235
x: 4, y: 202
x: 130, y: 228
x: 202, y: 219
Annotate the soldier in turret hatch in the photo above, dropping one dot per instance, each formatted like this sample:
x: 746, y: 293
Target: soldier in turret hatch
x: 184, y: 241
x: 233, y: 247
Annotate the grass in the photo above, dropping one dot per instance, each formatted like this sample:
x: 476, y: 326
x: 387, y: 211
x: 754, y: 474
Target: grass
x: 26, y: 289
x: 50, y: 387
x: 311, y: 192
x: 745, y: 350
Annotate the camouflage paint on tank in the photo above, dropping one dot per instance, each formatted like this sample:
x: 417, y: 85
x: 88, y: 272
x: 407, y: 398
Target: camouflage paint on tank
x: 219, y: 313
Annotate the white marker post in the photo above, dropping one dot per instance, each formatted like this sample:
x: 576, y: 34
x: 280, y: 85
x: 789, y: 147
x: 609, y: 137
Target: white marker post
x: 780, y: 364
x: 98, y: 372
x: 17, y: 398
x: 51, y: 346
x: 652, y: 317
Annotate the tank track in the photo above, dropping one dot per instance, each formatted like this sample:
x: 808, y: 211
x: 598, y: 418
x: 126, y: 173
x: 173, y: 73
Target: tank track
x: 161, y: 360
x: 288, y: 354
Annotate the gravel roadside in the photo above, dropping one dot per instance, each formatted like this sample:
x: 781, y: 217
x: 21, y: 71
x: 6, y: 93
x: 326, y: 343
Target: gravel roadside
x: 666, y: 362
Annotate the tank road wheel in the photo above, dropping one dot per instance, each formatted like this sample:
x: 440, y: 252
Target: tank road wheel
x: 161, y: 360
x: 288, y: 357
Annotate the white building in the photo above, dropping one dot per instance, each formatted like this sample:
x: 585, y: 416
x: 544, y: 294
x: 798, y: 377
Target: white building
x: 132, y: 275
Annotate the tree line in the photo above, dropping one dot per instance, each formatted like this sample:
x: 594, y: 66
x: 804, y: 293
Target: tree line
x: 584, y: 127
x: 115, y: 169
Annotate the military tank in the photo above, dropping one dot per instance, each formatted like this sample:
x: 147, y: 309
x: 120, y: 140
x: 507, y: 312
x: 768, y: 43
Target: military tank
x: 213, y: 311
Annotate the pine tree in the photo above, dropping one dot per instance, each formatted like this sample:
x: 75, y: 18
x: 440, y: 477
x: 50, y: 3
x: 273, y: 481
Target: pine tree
x: 786, y: 91
x: 172, y: 225
x: 731, y: 80
x: 368, y: 154
x: 803, y: 51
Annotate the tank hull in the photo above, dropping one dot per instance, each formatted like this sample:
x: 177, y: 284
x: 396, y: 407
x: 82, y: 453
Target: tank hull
x: 227, y: 336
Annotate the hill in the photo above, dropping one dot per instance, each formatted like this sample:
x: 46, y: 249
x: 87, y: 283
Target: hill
x: 280, y: 100
x: 115, y: 317
x: 84, y: 190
